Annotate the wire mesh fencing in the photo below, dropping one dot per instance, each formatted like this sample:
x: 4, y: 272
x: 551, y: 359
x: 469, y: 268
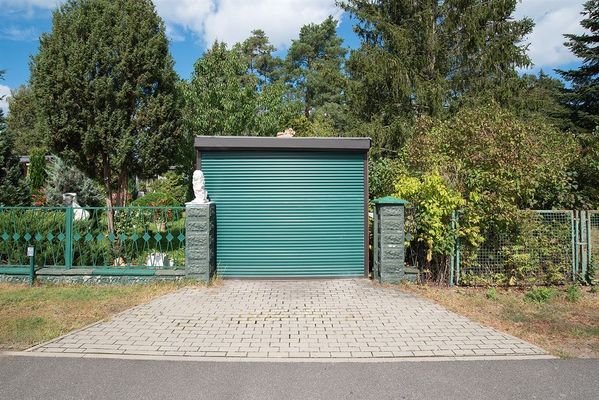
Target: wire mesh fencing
x: 593, y: 241
x: 537, y: 248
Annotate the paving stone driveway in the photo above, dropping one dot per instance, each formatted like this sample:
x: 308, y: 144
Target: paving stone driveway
x: 291, y: 319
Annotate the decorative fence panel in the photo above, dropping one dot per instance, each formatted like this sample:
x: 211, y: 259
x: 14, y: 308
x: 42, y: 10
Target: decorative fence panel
x: 43, y: 228
x: 141, y: 238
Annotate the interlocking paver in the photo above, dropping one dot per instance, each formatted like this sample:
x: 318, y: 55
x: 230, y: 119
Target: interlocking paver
x: 291, y: 319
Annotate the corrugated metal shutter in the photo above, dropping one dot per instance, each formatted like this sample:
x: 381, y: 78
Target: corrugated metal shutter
x: 287, y: 214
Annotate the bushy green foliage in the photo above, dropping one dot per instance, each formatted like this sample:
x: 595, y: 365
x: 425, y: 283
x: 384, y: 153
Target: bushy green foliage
x: 155, y: 199
x: 540, y: 294
x: 573, y: 293
x: 25, y: 122
x: 498, y: 162
x: 63, y: 178
x: 13, y: 189
x: 432, y: 203
x: 586, y: 166
x: 491, y: 294
x: 37, y: 168
x: 382, y: 175
x: 171, y: 183
x: 33, y: 221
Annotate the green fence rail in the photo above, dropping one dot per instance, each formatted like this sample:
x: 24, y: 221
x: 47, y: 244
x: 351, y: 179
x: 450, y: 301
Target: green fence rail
x: 141, y: 238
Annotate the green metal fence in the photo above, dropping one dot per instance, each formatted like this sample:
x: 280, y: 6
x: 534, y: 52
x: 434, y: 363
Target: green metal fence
x: 540, y: 248
x: 141, y: 238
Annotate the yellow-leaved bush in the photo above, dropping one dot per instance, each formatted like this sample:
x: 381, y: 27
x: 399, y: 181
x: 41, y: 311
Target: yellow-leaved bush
x: 432, y: 203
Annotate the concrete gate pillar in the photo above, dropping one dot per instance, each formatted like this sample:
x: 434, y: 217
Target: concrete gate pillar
x: 389, y: 237
x: 200, y: 236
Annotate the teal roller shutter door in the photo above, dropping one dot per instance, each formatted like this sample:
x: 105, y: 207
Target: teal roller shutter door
x: 287, y: 214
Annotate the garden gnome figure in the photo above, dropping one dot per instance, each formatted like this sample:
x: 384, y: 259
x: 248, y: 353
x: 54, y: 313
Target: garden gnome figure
x: 199, y: 188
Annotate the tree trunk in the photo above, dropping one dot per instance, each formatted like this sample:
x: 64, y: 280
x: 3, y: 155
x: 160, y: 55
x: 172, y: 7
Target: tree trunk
x: 108, y: 187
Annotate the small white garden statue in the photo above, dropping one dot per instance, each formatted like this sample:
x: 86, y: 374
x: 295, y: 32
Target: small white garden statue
x: 79, y: 213
x: 199, y: 188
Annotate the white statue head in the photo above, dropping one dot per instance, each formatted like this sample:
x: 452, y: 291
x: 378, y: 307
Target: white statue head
x: 198, y: 180
x: 199, y: 187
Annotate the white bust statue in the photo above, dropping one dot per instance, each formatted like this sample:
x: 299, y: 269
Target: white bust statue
x: 199, y: 188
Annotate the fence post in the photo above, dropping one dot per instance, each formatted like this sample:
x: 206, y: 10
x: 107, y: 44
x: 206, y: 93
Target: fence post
x: 452, y: 255
x: 584, y: 243
x: 68, y: 249
x: 457, y: 251
x: 576, y: 215
x: 31, y: 255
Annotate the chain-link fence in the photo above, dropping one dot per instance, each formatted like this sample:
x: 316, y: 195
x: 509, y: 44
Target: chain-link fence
x: 537, y: 248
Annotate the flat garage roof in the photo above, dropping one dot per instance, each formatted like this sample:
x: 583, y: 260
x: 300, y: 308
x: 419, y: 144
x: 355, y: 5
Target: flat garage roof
x: 361, y: 145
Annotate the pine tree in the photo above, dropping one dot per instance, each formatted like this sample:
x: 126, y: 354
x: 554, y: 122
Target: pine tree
x: 583, y: 97
x: 258, y: 53
x: 314, y: 66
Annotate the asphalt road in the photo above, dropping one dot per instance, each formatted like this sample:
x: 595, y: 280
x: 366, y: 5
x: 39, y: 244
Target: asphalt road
x: 70, y: 378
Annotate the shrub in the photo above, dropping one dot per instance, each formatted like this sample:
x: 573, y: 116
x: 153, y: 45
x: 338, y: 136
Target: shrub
x: 382, y: 176
x: 37, y: 169
x: 63, y: 178
x: 172, y: 184
x: 539, y: 294
x: 14, y: 191
x: 492, y: 294
x: 573, y: 293
x: 155, y: 199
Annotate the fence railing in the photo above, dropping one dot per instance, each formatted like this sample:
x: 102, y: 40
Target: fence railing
x: 543, y: 247
x: 99, y: 238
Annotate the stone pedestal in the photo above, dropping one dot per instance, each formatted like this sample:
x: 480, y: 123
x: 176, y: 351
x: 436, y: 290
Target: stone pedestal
x: 389, y: 237
x: 200, y: 237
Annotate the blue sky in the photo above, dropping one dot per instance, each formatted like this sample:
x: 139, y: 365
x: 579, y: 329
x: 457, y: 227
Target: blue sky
x: 191, y: 24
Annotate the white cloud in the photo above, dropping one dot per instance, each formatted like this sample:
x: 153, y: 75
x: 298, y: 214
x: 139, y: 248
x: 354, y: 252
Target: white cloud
x: 233, y: 20
x: 18, y: 34
x: 226, y: 20
x: 553, y: 18
x: 4, y: 95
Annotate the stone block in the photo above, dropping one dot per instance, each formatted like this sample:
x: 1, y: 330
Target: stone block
x: 200, y: 246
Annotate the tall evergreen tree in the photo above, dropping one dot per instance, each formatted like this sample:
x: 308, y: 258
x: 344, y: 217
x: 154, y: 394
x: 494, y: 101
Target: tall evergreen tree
x: 25, y: 122
x: 583, y: 97
x: 314, y: 66
x: 13, y: 189
x: 418, y: 58
x: 259, y: 55
x: 106, y: 88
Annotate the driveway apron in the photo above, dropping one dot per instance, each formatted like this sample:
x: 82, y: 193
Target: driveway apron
x: 303, y: 319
